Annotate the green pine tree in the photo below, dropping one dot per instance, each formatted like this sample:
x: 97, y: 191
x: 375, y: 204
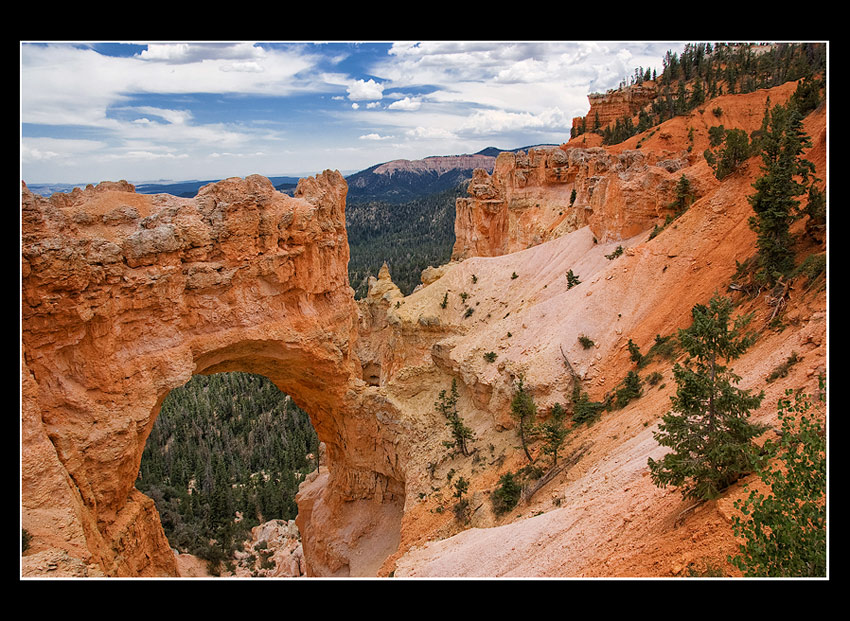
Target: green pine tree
x: 554, y: 433
x: 684, y: 195
x: 784, y: 532
x: 734, y: 152
x: 708, y: 428
x: 447, y: 406
x: 524, y: 410
x: 785, y: 177
x: 507, y: 494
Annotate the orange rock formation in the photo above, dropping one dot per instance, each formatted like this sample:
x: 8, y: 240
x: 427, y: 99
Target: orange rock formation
x: 606, y: 108
x: 535, y: 197
x: 125, y: 296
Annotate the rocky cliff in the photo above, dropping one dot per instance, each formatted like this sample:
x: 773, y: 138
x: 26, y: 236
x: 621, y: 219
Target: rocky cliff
x: 125, y: 296
x: 606, y: 108
x: 548, y: 192
x: 602, y: 516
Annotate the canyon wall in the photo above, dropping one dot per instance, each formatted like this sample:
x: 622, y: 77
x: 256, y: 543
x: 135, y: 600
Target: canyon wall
x: 538, y: 196
x: 126, y: 296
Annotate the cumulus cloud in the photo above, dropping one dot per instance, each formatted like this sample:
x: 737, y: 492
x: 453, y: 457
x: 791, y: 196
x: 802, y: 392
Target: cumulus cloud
x: 41, y: 149
x: 174, y: 117
x: 180, y: 53
x: 429, y: 133
x: 499, y: 91
x: 500, y: 121
x: 245, y: 67
x: 408, y: 103
x: 33, y: 153
x: 363, y: 90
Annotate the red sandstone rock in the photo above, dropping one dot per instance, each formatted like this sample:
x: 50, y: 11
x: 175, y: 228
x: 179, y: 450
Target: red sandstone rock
x: 606, y: 108
x: 529, y: 198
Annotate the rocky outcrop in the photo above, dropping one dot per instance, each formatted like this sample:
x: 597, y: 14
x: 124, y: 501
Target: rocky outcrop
x: 606, y: 108
x: 548, y: 192
x: 126, y: 296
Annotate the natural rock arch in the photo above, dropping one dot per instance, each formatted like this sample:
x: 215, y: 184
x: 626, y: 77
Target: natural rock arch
x: 126, y: 296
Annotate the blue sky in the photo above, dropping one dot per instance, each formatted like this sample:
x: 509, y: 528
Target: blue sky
x: 176, y: 111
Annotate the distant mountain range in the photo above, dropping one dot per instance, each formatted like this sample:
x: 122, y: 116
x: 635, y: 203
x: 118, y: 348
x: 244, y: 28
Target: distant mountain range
x: 394, y: 181
x: 188, y: 189
x: 184, y: 189
x: 399, y: 181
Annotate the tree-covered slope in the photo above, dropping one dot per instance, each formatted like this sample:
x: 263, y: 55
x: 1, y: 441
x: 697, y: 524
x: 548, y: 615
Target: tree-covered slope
x: 226, y: 453
x: 408, y: 236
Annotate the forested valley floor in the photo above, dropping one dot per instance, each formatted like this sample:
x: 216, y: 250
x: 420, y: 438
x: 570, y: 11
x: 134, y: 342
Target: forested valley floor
x: 226, y: 453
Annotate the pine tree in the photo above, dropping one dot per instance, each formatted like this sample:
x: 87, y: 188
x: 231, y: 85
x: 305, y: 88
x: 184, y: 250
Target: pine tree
x: 524, y: 410
x: 507, y: 494
x: 447, y: 406
x: 784, y: 533
x: 461, y: 508
x: 708, y: 428
x: 554, y: 433
x: 634, y: 352
x: 684, y: 195
x: 734, y: 152
x: 785, y: 176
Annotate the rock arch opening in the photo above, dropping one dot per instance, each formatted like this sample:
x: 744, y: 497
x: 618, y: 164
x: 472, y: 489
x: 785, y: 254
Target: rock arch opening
x: 223, y: 464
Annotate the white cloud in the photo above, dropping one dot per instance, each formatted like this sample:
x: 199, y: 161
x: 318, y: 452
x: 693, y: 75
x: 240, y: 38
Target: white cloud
x: 148, y: 155
x: 501, y: 121
x: 408, y: 103
x: 41, y: 149
x: 361, y: 90
x: 67, y: 85
x: 247, y: 67
x: 182, y: 53
x: 429, y: 133
x: 173, y: 117
x: 473, y: 91
x: 32, y: 153
x: 237, y: 155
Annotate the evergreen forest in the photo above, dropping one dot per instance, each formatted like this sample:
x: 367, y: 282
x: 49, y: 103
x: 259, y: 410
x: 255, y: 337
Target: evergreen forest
x: 408, y: 236
x: 226, y: 453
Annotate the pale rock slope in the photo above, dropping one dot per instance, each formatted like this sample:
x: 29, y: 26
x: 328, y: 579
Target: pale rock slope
x: 602, y: 516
